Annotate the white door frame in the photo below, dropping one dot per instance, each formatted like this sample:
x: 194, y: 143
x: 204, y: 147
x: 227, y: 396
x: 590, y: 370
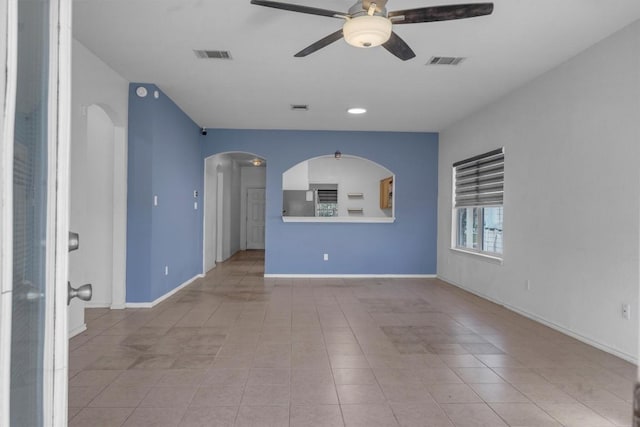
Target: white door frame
x: 208, y: 229
x: 219, y: 216
x: 59, y: 138
x: 119, y: 257
x: 55, y: 363
x: 8, y: 70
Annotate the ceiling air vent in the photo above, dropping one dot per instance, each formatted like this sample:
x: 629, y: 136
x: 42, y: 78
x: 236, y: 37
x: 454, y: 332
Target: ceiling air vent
x: 445, y: 60
x: 213, y: 54
x: 299, y: 107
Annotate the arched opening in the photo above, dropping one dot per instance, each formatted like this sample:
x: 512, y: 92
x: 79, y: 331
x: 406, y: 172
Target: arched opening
x: 234, y: 206
x: 338, y: 188
x: 98, y: 211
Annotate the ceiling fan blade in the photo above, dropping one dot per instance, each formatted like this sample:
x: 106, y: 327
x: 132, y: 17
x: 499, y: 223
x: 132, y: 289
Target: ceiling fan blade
x: 320, y: 44
x: 398, y: 47
x: 298, y: 8
x: 440, y: 13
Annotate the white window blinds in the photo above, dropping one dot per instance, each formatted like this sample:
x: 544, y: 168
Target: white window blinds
x: 479, y: 180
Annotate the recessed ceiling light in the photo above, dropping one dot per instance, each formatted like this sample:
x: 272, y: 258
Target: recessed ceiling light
x: 356, y: 110
x: 256, y: 162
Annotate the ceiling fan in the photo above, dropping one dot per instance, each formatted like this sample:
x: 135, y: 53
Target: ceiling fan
x: 368, y: 24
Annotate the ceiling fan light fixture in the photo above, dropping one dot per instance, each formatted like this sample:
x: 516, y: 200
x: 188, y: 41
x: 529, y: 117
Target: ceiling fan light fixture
x: 356, y: 110
x: 367, y: 31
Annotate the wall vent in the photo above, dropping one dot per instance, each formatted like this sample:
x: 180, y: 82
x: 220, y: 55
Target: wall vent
x: 300, y: 107
x: 213, y: 54
x: 445, y: 60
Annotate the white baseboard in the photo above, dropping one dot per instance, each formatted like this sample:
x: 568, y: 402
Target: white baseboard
x: 76, y: 331
x: 92, y: 304
x: 353, y: 276
x: 611, y: 350
x: 163, y: 297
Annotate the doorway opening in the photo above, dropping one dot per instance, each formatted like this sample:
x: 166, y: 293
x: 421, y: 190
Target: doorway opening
x: 98, y: 213
x: 234, y: 206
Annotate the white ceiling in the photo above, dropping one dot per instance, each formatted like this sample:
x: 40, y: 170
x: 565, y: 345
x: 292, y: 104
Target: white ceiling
x: 153, y: 40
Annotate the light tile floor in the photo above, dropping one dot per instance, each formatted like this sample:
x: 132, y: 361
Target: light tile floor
x: 236, y: 349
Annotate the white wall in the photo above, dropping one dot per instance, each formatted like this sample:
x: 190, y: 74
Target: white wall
x: 94, y: 83
x: 353, y: 175
x: 296, y: 177
x: 572, y: 181
x: 250, y: 177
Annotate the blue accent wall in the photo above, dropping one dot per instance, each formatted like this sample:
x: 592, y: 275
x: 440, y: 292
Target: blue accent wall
x: 165, y: 160
x: 407, y: 246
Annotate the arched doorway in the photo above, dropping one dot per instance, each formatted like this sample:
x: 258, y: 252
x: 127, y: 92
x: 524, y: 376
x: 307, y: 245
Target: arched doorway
x: 234, y: 193
x: 98, y: 212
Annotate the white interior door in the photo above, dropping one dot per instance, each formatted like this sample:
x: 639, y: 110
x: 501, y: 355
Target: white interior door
x: 35, y: 45
x: 255, y: 218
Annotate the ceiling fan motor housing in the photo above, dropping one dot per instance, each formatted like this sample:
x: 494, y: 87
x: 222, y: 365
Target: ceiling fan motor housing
x: 367, y: 31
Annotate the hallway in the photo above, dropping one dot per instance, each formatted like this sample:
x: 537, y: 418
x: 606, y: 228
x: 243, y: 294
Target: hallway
x: 237, y: 349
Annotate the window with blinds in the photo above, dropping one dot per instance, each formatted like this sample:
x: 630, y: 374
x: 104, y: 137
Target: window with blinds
x: 478, y: 198
x: 479, y: 180
x: 327, y: 196
x: 326, y: 199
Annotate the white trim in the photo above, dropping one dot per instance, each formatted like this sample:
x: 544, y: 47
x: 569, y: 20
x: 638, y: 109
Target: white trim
x: 163, y: 297
x: 354, y: 276
x: 333, y: 219
x: 119, y: 220
x: 204, y: 220
x: 60, y: 87
x: 8, y: 83
x: 628, y: 357
x: 219, y: 216
x: 483, y: 255
x: 77, y: 331
x: 91, y: 304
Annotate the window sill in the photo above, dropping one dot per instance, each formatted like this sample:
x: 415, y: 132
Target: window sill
x: 362, y: 219
x: 485, y: 257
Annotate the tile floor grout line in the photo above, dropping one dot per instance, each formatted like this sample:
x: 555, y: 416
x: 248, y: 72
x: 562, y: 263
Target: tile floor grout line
x: 245, y: 305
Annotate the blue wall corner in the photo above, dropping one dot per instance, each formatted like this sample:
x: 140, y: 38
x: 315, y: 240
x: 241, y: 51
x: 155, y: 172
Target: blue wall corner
x: 166, y: 153
x: 165, y: 161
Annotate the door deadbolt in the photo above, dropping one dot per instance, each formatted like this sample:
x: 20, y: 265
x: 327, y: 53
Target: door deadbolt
x: 74, y: 241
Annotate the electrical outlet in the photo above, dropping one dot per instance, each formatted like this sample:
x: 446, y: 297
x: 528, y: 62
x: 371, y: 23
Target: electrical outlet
x: 166, y: 270
x: 326, y: 257
x: 626, y: 311
x: 527, y: 284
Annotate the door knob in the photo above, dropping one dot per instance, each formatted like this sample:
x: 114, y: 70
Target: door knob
x: 84, y: 292
x: 74, y: 241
